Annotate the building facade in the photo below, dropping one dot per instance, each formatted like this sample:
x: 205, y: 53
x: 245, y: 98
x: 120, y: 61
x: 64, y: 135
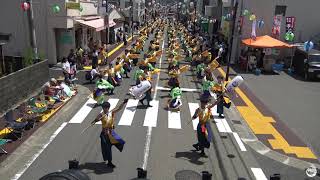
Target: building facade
x: 74, y: 25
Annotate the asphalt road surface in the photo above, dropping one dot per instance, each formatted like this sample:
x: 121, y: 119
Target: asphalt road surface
x: 157, y: 140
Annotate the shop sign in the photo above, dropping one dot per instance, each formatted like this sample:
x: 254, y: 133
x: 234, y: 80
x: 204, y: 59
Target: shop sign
x: 290, y: 23
x: 66, y: 38
x: 73, y: 5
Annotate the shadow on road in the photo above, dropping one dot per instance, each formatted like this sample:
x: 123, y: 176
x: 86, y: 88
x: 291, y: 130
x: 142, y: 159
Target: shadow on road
x: 191, y: 156
x: 97, y: 168
x: 93, y: 105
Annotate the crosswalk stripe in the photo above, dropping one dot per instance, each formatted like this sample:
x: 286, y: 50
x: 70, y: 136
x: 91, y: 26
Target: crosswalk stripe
x: 258, y: 174
x: 128, y: 113
x: 113, y: 104
x: 193, y: 107
x: 151, y: 116
x: 83, y: 112
x: 222, y: 124
x: 174, y: 120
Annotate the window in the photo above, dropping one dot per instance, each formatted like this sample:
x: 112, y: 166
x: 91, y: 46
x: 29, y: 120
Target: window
x: 280, y: 10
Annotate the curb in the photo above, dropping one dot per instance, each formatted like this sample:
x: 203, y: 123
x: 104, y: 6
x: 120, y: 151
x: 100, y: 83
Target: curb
x: 248, y: 137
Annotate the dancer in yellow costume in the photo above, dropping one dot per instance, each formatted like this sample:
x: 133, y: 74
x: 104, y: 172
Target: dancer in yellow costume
x: 108, y: 136
x: 204, y: 132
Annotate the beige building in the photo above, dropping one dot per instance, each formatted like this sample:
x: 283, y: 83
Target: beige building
x: 56, y: 33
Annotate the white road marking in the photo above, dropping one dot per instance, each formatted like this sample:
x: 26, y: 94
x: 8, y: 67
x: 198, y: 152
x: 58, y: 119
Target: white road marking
x: 34, y: 157
x: 240, y: 143
x: 149, y: 132
x: 128, y: 113
x: 193, y: 107
x: 151, y: 116
x: 113, y: 104
x: 182, y: 89
x: 258, y: 174
x: 83, y: 112
x: 174, y: 121
x: 221, y: 124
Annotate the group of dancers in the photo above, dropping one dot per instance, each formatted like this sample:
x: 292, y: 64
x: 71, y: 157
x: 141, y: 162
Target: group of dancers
x: 111, y: 77
x: 182, y: 46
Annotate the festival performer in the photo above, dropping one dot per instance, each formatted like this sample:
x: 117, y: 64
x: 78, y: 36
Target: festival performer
x: 102, y: 86
x: 148, y: 93
x: 126, y: 63
x: 108, y: 136
x: 204, y: 132
x: 173, y: 77
x: 219, y: 89
x: 138, y: 73
x: 207, y: 84
x: 175, y: 101
x: 200, y: 70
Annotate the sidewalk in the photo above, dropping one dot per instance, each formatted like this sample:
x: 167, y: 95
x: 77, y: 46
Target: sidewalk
x: 280, y: 142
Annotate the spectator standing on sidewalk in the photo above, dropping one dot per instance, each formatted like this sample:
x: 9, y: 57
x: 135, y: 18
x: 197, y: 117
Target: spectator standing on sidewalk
x: 124, y: 38
x: 66, y: 69
x: 95, y: 55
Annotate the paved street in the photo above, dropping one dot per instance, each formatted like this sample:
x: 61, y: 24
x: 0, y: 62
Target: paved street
x: 49, y: 109
x: 156, y: 139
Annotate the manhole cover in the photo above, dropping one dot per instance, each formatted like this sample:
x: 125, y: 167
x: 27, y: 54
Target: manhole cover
x: 187, y: 175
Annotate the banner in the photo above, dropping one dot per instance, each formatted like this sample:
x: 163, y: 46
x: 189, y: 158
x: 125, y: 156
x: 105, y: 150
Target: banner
x: 253, y: 31
x: 276, y: 29
x: 290, y: 24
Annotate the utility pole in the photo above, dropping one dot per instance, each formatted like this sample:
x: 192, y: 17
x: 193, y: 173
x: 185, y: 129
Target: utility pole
x: 106, y: 22
x: 131, y: 19
x: 195, y: 17
x: 234, y: 18
x: 32, y: 31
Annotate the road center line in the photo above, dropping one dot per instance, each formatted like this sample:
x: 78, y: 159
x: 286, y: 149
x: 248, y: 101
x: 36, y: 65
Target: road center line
x: 149, y: 132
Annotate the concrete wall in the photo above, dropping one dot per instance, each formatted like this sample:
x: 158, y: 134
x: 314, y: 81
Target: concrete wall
x: 17, y: 86
x: 14, y: 20
x: 307, y: 18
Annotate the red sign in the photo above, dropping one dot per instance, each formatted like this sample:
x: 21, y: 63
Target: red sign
x: 290, y: 23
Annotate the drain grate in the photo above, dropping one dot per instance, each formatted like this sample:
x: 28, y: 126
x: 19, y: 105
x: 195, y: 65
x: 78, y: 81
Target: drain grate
x: 187, y: 175
x: 236, y: 122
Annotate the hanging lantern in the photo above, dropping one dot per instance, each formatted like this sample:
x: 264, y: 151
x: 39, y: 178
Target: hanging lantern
x: 252, y: 17
x: 289, y: 36
x: 56, y: 9
x: 25, y: 6
x: 245, y: 12
x: 260, y: 23
x: 81, y: 9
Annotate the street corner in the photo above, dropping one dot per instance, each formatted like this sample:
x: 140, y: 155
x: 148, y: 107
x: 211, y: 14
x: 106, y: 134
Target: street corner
x: 262, y: 125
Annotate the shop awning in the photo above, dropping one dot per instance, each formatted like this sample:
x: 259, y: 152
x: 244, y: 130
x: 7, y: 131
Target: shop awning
x: 265, y: 42
x: 97, y: 24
